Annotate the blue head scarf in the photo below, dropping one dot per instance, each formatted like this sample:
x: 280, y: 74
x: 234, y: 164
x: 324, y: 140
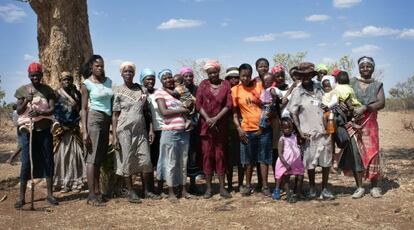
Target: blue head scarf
x: 163, y: 72
x: 146, y: 72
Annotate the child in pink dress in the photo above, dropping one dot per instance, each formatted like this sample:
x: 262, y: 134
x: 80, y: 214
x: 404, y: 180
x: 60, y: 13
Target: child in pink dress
x: 289, y: 161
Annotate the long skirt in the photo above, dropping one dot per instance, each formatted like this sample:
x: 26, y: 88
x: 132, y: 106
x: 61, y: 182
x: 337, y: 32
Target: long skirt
x: 70, y: 168
x: 172, y: 162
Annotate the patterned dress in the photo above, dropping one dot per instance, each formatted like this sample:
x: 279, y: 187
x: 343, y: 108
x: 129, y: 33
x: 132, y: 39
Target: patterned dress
x: 134, y: 156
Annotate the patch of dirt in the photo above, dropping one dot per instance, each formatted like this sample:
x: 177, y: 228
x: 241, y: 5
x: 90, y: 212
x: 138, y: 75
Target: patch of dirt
x: 394, y: 211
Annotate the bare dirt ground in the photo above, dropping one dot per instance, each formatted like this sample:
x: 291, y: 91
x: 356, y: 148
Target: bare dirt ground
x: 394, y: 211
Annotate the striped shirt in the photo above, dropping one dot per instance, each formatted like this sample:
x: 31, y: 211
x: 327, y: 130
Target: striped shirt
x: 174, y: 122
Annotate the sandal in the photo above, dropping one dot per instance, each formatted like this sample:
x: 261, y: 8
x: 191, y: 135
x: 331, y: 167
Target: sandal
x: 266, y: 191
x: 207, y: 195
x: 247, y: 191
x: 94, y: 201
x: 19, y: 204
x: 225, y: 194
x: 133, y: 198
x: 173, y: 199
x: 51, y: 200
x: 152, y: 196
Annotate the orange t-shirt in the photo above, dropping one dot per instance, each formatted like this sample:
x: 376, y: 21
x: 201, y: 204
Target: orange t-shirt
x: 248, y: 101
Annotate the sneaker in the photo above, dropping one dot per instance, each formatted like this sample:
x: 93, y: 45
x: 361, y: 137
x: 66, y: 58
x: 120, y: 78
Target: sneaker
x: 312, y: 194
x: 266, y: 191
x: 24, y: 129
x: 376, y: 192
x: 326, y: 195
x: 359, y: 193
x: 276, y: 194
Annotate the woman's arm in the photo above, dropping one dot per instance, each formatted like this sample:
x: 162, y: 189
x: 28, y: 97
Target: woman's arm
x: 162, y: 106
x: 377, y: 105
x: 236, y: 121
x: 84, y: 115
x: 115, y: 116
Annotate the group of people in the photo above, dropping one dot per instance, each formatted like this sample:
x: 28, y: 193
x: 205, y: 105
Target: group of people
x: 183, y: 130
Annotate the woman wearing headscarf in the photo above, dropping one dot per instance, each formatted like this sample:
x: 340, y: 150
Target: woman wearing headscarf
x: 172, y: 162
x: 129, y: 119
x: 147, y: 79
x: 214, y: 103
x: 97, y: 96
x: 37, y: 102
x: 70, y: 168
x: 366, y: 164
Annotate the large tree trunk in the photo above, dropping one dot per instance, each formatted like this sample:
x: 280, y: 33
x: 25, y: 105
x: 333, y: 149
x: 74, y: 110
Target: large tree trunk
x: 63, y: 37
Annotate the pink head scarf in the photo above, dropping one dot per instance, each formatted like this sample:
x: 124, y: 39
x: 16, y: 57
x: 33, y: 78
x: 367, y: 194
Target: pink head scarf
x: 278, y: 68
x: 211, y: 64
x: 185, y: 70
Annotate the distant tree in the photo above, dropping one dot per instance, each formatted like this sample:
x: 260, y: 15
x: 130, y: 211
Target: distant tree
x: 63, y: 37
x: 289, y: 60
x: 345, y: 63
x: 405, y: 92
x: 2, y: 93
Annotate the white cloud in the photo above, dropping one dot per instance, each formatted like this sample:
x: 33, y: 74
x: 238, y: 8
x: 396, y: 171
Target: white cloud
x: 272, y: 36
x: 322, y: 44
x: 224, y: 24
x: 261, y: 38
x: 317, y: 18
x: 366, y: 49
x: 28, y: 57
x: 179, y: 23
x: 11, y: 13
x: 345, y: 3
x: 371, y: 31
x: 296, y: 34
x: 407, y: 33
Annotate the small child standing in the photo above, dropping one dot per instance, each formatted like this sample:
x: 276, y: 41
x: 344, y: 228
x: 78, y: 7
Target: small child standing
x: 269, y: 98
x: 289, y: 162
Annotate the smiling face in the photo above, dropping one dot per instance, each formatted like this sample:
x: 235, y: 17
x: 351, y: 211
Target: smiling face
x: 326, y: 86
x: 287, y: 128
x: 234, y: 80
x: 188, y: 79
x: 279, y: 78
x: 167, y: 81
x: 149, y: 82
x: 366, y: 70
x: 262, y: 68
x: 128, y: 74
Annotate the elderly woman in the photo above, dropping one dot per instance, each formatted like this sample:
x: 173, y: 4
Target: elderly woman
x: 214, y: 102
x: 129, y: 119
x: 365, y: 161
x: 147, y: 78
x: 307, y: 114
x: 36, y: 101
x: 96, y: 115
x: 70, y: 168
x: 172, y: 162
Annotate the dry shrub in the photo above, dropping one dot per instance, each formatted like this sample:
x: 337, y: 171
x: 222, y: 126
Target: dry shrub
x: 408, y: 125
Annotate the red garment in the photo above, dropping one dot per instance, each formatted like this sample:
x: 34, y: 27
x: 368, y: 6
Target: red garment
x: 35, y: 67
x: 212, y: 139
x: 213, y: 101
x: 370, y: 140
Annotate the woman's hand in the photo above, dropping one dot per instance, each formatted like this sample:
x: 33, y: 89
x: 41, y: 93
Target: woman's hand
x: 87, y: 142
x: 211, y: 122
x: 359, y: 111
x: 34, y: 113
x: 242, y: 135
x: 115, y: 142
x: 151, y: 137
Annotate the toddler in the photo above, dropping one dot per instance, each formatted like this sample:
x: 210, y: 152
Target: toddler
x: 289, y: 162
x: 269, y: 98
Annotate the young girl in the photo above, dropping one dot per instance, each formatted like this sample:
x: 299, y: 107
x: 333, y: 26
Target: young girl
x: 289, y: 161
x: 269, y: 98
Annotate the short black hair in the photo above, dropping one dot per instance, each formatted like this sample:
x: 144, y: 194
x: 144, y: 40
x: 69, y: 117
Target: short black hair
x: 286, y: 119
x: 245, y: 66
x: 260, y: 60
x: 342, y: 78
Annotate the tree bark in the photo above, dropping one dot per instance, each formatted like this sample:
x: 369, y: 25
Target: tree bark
x: 63, y: 37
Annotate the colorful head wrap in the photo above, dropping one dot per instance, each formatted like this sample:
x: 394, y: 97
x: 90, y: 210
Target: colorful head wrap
x: 211, y: 64
x: 278, y: 68
x: 335, y: 72
x: 145, y: 73
x: 125, y: 65
x: 320, y: 67
x: 34, y: 67
x: 185, y: 70
x: 331, y: 80
x: 366, y: 59
x: 163, y: 72
x: 232, y: 72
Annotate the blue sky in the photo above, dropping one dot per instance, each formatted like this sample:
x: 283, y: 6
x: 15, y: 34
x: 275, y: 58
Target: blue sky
x: 157, y: 34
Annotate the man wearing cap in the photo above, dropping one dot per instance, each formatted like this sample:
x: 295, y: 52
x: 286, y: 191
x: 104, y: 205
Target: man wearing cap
x: 307, y: 115
x: 36, y: 101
